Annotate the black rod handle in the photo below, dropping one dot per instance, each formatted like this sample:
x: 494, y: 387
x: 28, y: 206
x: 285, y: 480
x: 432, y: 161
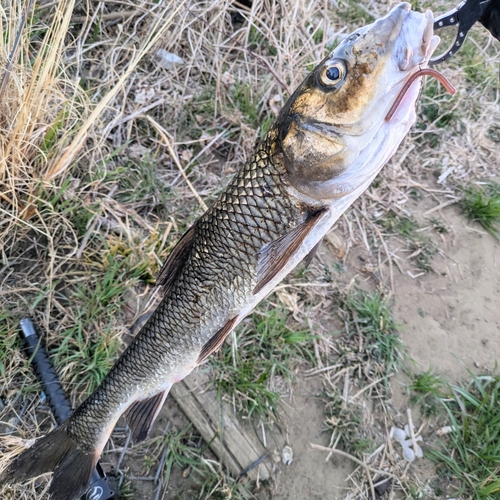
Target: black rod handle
x: 45, y: 372
x: 99, y: 489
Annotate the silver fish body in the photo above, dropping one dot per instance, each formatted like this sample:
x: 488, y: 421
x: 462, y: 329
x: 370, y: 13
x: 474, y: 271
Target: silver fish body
x: 327, y: 145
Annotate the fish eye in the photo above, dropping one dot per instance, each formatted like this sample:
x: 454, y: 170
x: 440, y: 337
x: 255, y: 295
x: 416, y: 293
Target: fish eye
x: 333, y: 74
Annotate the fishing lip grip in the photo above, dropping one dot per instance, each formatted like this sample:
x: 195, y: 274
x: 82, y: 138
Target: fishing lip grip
x: 464, y: 17
x: 101, y: 486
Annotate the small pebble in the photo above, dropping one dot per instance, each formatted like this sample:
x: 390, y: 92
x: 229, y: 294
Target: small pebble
x: 287, y: 455
x: 167, y: 60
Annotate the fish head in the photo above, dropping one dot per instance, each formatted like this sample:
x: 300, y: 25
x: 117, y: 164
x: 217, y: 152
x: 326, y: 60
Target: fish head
x: 332, y: 132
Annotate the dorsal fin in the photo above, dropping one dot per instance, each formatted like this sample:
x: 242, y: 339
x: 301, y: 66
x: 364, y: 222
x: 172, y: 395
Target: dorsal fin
x: 274, y: 256
x: 216, y: 341
x: 141, y: 415
x: 176, y: 259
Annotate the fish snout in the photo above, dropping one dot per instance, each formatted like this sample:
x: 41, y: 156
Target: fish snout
x: 386, y: 29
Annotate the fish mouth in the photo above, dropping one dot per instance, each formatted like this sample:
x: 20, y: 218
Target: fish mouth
x: 419, y: 44
x: 415, y: 63
x: 417, y: 52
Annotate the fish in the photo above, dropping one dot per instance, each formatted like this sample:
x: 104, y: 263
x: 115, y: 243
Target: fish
x: 328, y: 143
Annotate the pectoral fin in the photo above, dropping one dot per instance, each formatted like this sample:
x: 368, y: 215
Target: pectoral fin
x: 274, y: 256
x: 142, y: 414
x: 310, y: 256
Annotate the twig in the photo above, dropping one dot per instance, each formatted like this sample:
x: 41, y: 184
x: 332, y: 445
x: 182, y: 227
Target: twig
x: 317, y: 354
x: 354, y: 459
x: 384, y: 244
x: 376, y: 452
x: 109, y: 17
x: 8, y: 65
x: 339, y: 373
x: 124, y: 450
x: 157, y: 478
x: 168, y: 142
x: 35, y: 228
x: 303, y: 285
x: 310, y: 373
x: 86, y: 238
x: 241, y: 6
x: 268, y: 67
x: 412, y: 433
x: 439, y: 207
x: 375, y: 382
x: 120, y: 121
x: 345, y: 393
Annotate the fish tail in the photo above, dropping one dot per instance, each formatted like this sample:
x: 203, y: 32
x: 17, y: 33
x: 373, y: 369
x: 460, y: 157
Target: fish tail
x: 60, y: 453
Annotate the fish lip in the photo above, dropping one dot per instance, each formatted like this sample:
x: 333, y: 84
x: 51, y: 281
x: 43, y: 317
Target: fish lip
x: 405, y: 7
x: 427, y: 36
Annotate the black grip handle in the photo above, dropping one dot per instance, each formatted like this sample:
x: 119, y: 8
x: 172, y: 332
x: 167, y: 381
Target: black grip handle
x: 491, y: 18
x: 45, y: 372
x: 100, y: 487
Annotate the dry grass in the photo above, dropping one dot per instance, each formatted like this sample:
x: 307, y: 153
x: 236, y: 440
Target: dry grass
x: 40, y: 107
x: 107, y: 156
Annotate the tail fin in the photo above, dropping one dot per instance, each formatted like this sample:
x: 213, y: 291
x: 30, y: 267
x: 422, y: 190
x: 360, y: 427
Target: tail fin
x: 56, y: 452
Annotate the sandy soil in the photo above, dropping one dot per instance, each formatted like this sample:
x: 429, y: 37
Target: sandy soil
x: 310, y: 476
x: 449, y: 318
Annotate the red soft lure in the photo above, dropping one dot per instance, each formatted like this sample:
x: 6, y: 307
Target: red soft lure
x: 421, y: 72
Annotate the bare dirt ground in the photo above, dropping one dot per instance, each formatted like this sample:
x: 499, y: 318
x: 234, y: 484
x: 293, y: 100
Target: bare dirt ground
x: 310, y: 476
x: 450, y: 318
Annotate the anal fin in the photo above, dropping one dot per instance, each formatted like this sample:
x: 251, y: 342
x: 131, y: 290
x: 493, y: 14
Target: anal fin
x: 216, y: 341
x: 142, y: 414
x: 274, y: 256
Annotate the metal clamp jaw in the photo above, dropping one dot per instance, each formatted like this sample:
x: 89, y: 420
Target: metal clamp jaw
x: 464, y: 16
